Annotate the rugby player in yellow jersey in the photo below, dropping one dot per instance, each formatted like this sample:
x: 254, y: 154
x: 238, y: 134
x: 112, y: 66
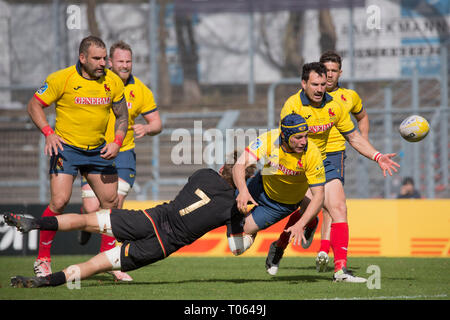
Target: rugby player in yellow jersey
x: 292, y: 165
x: 84, y: 94
x: 140, y: 101
x: 336, y: 142
x: 322, y: 112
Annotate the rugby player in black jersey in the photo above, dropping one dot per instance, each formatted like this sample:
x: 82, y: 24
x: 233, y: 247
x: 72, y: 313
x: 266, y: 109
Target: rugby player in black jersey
x: 206, y: 202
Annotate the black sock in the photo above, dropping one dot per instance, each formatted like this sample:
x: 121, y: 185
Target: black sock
x: 56, y: 279
x: 47, y: 223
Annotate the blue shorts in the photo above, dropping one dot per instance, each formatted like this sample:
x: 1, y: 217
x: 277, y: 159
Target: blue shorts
x: 73, y: 159
x: 125, y: 165
x: 334, y: 166
x: 268, y: 211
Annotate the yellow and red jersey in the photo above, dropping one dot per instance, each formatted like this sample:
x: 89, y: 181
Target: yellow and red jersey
x: 352, y: 103
x: 287, y: 176
x: 140, y: 101
x: 83, y: 106
x: 320, y: 119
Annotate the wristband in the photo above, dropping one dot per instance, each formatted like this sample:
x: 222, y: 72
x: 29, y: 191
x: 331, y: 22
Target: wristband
x: 118, y: 141
x: 47, y: 130
x: 376, y: 156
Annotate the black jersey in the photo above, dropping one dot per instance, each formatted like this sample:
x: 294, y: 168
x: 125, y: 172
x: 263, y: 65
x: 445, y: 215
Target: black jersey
x: 206, y: 202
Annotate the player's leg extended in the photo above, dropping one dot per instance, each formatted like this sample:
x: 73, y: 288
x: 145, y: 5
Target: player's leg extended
x: 60, y: 190
x: 322, y: 258
x: 102, y: 262
x: 97, y: 222
x: 336, y: 206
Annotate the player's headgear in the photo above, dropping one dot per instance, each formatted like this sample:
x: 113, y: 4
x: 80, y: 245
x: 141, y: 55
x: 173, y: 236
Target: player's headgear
x: 291, y: 125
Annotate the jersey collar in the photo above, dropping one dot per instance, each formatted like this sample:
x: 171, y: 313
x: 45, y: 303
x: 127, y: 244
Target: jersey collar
x: 78, y: 68
x: 130, y: 80
x: 306, y: 102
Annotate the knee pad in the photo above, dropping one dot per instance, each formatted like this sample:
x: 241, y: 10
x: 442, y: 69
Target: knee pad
x: 123, y: 187
x: 113, y: 256
x: 104, y: 221
x: 240, y: 243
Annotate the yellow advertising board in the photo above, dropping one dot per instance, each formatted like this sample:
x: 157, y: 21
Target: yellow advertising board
x: 377, y: 227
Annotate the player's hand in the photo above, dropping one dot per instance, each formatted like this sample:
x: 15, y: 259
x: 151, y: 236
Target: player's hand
x: 242, y: 201
x: 387, y: 164
x: 110, y: 151
x: 297, y: 233
x: 140, y: 130
x: 53, y: 142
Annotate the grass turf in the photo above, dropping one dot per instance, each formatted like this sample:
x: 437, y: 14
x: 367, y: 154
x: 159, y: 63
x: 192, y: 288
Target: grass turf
x: 240, y: 278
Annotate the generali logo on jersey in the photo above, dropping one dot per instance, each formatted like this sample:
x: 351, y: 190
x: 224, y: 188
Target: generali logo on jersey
x: 92, y: 101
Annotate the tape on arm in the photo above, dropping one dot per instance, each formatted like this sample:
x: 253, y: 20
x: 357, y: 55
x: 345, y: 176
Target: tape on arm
x: 240, y: 243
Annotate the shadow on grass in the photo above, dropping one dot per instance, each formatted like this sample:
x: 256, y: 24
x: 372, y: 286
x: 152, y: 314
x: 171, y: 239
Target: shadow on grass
x: 107, y: 280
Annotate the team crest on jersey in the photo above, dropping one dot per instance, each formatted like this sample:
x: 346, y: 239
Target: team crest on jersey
x: 343, y: 98
x: 255, y: 145
x: 299, y: 163
x: 43, y: 88
x: 107, y: 89
x: 331, y: 113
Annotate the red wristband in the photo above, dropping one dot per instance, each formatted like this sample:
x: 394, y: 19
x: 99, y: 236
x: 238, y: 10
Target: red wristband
x: 118, y: 141
x: 376, y: 156
x: 47, y: 130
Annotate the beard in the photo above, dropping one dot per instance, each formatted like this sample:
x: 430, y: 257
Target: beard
x: 93, y: 72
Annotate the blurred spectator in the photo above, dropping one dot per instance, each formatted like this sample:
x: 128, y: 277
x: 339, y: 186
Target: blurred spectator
x: 407, y: 190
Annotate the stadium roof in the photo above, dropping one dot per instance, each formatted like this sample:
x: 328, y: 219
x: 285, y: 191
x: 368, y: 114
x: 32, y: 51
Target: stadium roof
x: 242, y: 6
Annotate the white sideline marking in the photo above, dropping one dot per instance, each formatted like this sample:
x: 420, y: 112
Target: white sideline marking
x: 389, y: 297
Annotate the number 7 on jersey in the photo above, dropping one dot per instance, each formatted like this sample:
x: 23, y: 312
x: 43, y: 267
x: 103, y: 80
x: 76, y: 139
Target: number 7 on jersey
x: 204, y: 199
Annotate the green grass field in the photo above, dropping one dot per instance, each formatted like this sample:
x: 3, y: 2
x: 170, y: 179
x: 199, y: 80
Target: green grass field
x: 241, y: 278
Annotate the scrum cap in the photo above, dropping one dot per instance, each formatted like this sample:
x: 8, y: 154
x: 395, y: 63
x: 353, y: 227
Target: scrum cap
x: 291, y: 125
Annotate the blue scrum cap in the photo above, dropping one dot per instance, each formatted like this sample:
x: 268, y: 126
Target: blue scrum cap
x: 292, y: 124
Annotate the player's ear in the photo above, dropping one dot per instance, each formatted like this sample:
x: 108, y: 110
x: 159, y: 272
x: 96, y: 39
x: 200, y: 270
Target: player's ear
x: 303, y: 84
x: 82, y: 57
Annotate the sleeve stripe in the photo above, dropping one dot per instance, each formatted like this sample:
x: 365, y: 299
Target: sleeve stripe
x: 40, y: 100
x: 362, y: 109
x: 348, y: 132
x: 148, y: 112
x: 317, y: 184
x: 251, y: 153
x: 122, y: 99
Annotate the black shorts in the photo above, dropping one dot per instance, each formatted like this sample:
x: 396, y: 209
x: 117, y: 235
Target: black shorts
x: 141, y: 243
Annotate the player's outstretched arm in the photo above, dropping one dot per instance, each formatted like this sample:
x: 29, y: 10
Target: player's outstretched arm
x: 364, y: 147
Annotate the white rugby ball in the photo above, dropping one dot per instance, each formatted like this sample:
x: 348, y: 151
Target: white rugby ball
x: 414, y: 128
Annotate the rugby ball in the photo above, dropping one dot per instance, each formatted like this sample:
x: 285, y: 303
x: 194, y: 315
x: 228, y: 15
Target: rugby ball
x: 414, y: 128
